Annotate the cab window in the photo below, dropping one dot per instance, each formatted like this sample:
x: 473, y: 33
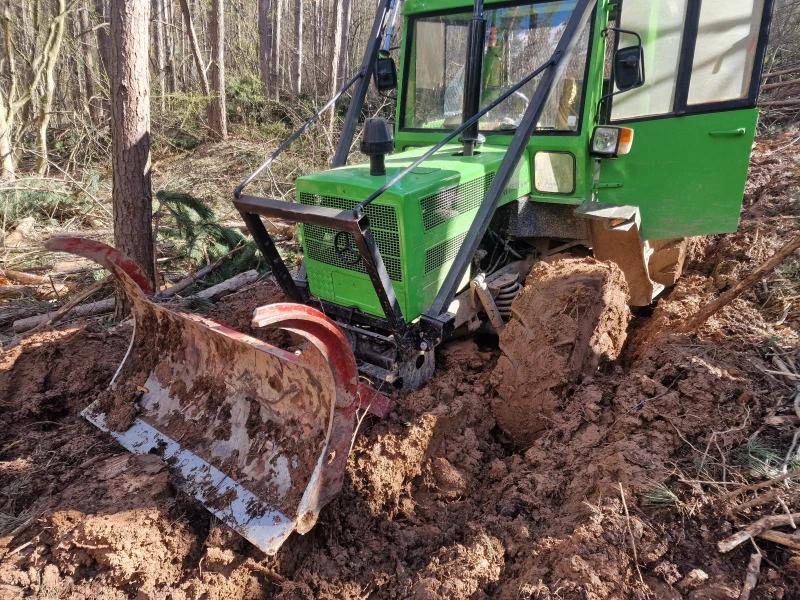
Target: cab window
x: 518, y: 40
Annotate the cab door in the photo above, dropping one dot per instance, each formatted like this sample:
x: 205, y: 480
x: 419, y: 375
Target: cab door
x: 694, y: 118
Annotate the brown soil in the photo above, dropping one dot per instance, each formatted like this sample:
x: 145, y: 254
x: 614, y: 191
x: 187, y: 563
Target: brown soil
x: 439, y: 502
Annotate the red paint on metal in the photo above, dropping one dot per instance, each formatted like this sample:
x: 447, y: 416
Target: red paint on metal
x: 102, y: 254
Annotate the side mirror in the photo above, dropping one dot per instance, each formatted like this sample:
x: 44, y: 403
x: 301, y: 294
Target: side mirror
x: 385, y: 74
x: 629, y: 68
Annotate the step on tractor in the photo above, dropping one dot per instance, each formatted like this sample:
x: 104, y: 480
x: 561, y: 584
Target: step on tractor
x: 529, y: 135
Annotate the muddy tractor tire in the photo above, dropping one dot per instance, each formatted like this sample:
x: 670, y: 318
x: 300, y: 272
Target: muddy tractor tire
x: 571, y: 317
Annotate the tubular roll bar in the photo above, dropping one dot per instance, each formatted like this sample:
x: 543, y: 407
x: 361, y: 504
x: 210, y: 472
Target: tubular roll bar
x: 436, y: 321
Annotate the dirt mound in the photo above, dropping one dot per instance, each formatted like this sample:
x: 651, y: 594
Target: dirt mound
x: 571, y: 316
x: 437, y: 502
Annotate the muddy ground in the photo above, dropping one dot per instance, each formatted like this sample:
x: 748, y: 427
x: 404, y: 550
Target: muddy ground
x: 618, y: 496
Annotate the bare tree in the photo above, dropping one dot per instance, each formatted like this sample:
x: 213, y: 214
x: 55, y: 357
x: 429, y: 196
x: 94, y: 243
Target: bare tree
x: 198, y: 57
x: 160, y: 50
x: 277, y: 11
x: 52, y: 48
x: 297, y: 58
x: 265, y: 44
x: 89, y: 69
x: 335, y: 55
x: 130, y: 131
x: 217, y: 118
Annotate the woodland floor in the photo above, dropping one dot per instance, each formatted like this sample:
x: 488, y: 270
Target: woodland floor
x: 437, y: 502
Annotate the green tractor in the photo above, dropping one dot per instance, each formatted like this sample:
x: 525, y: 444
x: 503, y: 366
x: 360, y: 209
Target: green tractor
x: 525, y: 130
x: 514, y: 140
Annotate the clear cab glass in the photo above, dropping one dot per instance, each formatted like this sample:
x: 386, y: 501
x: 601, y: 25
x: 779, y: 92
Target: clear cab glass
x: 518, y: 39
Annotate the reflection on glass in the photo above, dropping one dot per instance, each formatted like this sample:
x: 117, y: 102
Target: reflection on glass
x: 554, y: 172
x: 519, y: 39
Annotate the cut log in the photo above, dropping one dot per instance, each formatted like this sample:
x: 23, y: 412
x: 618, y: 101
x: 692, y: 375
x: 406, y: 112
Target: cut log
x: 87, y: 310
x: 766, y: 267
x: 15, y: 314
x: 231, y: 285
x: 25, y: 278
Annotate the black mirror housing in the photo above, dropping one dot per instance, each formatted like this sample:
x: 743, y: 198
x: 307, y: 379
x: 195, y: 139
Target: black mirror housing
x: 629, y: 68
x: 385, y: 74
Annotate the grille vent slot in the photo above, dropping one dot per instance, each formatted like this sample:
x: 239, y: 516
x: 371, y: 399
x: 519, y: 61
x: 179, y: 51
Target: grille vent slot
x: 441, y: 253
x: 447, y: 204
x: 382, y: 220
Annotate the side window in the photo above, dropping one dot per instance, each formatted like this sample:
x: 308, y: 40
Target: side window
x: 661, y: 26
x: 700, y: 55
x: 727, y: 38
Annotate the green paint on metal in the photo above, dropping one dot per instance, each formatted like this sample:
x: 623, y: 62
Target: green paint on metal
x: 685, y: 178
x: 419, y: 224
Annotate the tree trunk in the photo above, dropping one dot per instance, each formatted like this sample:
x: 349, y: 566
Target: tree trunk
x: 169, y: 40
x: 265, y: 44
x: 92, y: 97
x: 297, y: 58
x: 198, y: 58
x: 159, y: 49
x: 130, y: 131
x: 103, y: 41
x: 335, y: 57
x: 51, y: 51
x: 277, y: 12
x: 344, y: 59
x: 217, y: 118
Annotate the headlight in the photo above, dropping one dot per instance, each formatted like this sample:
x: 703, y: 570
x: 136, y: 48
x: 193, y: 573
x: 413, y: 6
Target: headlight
x: 610, y: 142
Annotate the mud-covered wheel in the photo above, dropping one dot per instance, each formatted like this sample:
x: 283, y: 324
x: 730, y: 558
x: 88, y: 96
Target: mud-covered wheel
x: 571, y: 316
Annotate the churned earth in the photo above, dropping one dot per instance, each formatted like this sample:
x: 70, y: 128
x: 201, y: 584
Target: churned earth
x: 613, y: 490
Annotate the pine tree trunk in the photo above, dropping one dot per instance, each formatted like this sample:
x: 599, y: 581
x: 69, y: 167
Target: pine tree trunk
x: 198, y: 57
x: 297, y: 59
x: 51, y: 51
x: 159, y: 49
x: 217, y: 117
x: 92, y: 97
x: 277, y: 13
x: 265, y: 44
x: 130, y: 131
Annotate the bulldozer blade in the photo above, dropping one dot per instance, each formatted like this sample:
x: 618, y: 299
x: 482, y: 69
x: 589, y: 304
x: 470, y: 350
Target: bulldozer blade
x: 259, y: 435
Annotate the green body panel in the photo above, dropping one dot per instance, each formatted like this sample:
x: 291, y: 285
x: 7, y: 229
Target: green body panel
x: 418, y: 225
x: 686, y: 174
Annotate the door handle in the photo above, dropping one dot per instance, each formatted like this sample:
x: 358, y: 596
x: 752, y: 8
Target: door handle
x: 727, y: 132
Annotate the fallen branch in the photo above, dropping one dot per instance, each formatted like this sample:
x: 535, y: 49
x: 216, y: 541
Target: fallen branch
x: 751, y: 579
x: 25, y: 278
x: 73, y: 302
x: 772, y: 86
x: 767, y: 266
x: 231, y: 285
x: 781, y: 103
x: 784, y: 539
x: 754, y: 530
x: 793, y: 69
x: 757, y: 501
x: 86, y: 310
x: 15, y: 314
x: 760, y: 486
x: 193, y: 277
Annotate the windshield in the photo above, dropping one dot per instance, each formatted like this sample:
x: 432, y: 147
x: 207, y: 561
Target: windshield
x: 519, y: 39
